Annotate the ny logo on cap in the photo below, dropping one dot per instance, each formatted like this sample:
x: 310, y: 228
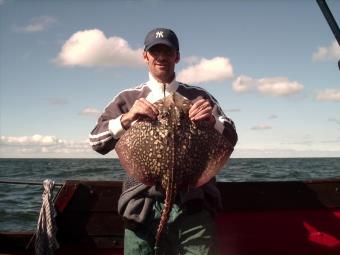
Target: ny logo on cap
x: 159, y: 34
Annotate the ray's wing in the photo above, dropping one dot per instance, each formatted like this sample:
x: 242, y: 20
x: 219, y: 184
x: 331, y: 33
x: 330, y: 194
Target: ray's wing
x: 142, y: 151
x: 200, y: 153
x: 217, y: 150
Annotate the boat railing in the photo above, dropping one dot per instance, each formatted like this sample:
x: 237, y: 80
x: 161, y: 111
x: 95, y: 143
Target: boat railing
x: 45, y: 232
x: 34, y: 183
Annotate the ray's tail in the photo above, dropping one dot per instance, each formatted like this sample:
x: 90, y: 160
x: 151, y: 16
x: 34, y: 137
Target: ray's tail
x: 170, y: 194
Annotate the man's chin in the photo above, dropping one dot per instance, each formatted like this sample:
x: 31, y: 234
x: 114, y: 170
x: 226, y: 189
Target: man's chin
x: 163, y: 72
x: 163, y: 69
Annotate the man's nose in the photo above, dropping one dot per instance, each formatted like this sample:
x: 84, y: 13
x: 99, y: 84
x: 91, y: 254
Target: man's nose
x: 162, y: 55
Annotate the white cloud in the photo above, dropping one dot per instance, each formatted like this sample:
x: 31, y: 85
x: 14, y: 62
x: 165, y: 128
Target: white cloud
x: 308, y: 145
x: 304, y: 142
x: 261, y: 127
x: 90, y: 111
x: 30, y: 140
x: 282, y: 153
x: 279, y: 86
x: 42, y: 146
x: 328, y: 95
x: 206, y: 70
x: 273, y: 116
x: 38, y: 24
x: 92, y: 48
x: 331, y: 52
x: 274, y: 86
x: 192, y: 60
x: 337, y: 121
x: 244, y: 83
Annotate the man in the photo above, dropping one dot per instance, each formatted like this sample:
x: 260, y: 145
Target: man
x: 190, y: 229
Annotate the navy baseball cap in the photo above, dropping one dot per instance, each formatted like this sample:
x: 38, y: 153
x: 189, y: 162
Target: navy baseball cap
x: 161, y: 36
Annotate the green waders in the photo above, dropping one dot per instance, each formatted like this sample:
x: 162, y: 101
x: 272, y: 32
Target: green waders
x: 186, y: 233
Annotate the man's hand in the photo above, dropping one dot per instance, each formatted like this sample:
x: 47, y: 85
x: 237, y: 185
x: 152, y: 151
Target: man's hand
x: 202, y: 110
x: 141, y: 107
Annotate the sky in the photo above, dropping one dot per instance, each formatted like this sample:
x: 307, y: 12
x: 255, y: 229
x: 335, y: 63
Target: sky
x: 272, y: 65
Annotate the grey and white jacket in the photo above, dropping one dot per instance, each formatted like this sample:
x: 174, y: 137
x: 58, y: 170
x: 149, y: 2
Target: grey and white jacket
x: 137, y: 199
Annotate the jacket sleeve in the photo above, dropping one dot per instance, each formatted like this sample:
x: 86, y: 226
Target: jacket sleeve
x: 223, y: 124
x: 108, y: 129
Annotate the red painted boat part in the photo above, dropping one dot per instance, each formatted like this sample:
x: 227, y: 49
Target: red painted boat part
x: 258, y: 218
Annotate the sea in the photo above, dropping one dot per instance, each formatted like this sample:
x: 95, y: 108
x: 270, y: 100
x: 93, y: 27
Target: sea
x: 20, y: 203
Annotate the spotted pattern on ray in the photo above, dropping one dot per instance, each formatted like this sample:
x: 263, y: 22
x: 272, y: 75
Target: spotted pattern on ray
x: 172, y: 152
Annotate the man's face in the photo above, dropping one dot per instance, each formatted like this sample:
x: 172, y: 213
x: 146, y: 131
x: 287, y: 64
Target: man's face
x: 161, y: 61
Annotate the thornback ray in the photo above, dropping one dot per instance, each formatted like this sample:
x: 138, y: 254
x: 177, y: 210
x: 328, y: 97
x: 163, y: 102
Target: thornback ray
x: 172, y: 152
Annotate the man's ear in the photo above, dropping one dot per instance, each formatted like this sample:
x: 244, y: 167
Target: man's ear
x: 145, y: 56
x: 178, y: 57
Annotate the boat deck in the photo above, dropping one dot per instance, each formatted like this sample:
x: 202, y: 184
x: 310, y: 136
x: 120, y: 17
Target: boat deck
x: 257, y: 218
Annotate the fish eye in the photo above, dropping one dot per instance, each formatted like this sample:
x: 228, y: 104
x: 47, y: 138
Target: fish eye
x: 164, y: 114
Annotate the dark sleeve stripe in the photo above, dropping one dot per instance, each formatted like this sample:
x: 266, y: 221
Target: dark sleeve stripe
x: 229, y: 126
x: 101, y: 138
x: 189, y: 87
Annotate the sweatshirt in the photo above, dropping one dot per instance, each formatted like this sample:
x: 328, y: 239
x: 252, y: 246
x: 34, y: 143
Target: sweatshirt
x: 136, y: 200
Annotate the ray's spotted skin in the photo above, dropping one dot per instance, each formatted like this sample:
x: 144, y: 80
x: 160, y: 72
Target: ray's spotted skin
x: 172, y: 152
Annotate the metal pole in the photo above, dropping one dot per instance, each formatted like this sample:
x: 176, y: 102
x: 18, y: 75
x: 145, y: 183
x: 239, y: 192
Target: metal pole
x: 330, y: 20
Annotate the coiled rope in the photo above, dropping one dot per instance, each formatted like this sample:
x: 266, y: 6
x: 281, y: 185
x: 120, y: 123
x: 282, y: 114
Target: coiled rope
x: 46, y: 241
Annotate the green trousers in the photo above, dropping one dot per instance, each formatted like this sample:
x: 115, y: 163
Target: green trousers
x: 186, y: 233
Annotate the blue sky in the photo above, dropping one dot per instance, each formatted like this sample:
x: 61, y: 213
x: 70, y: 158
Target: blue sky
x: 272, y: 65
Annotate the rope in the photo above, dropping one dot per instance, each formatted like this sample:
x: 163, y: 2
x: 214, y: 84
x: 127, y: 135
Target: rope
x: 46, y: 242
x: 6, y: 181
